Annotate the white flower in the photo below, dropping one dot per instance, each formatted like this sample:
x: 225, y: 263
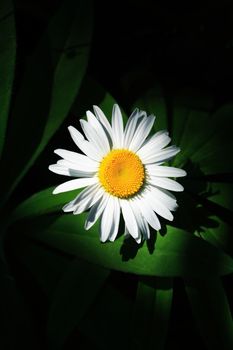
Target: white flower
x: 122, y: 172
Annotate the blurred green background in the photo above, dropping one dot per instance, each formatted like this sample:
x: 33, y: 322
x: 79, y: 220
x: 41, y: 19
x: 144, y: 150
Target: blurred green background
x: 60, y: 288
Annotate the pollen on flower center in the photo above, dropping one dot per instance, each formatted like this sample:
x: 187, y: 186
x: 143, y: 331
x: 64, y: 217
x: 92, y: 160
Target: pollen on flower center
x: 121, y: 173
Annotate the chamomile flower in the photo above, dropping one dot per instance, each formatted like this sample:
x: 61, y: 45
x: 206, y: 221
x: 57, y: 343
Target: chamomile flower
x: 121, y: 170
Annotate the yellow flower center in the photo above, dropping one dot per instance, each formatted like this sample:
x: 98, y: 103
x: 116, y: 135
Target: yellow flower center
x: 121, y: 173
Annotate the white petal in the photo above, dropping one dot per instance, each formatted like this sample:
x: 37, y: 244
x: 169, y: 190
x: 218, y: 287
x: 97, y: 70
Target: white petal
x: 61, y: 170
x: 129, y: 218
x: 161, y: 156
x: 93, y: 137
x: 87, y: 192
x: 116, y: 219
x: 85, y: 166
x: 165, y: 171
x: 131, y: 126
x: 168, y: 184
x: 58, y: 169
x: 99, y: 130
x: 146, y: 229
x: 76, y: 136
x: 75, y: 184
x: 142, y: 224
x: 104, y: 121
x: 107, y: 221
x: 155, y: 143
x: 164, y: 196
x: 148, y: 213
x: 80, y: 160
x: 117, y: 127
x: 95, y: 211
x: 159, y: 207
x: 87, y: 199
x: 142, y: 132
x: 84, y: 145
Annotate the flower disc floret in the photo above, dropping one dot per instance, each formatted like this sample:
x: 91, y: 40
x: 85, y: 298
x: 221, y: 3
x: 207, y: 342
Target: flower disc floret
x: 121, y: 173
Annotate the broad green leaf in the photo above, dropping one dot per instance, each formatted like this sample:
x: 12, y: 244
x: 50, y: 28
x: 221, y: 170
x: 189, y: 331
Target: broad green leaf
x: 152, y: 102
x: 193, y: 135
x: 73, y: 297
x: 41, y: 203
x: 7, y: 63
x: 177, y: 253
x: 151, y: 313
x: 49, y: 87
x: 185, y: 103
x: 206, y: 140
x: 211, y: 311
x: 215, y: 155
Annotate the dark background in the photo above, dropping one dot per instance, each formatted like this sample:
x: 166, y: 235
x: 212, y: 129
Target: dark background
x: 136, y: 43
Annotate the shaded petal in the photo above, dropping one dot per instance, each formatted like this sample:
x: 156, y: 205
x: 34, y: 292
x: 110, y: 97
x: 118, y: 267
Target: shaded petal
x: 161, y: 156
x: 142, y: 224
x: 164, y: 196
x: 88, y: 191
x: 159, y: 207
x: 117, y: 127
x: 104, y: 121
x: 95, y: 211
x: 88, y: 199
x: 75, y: 184
x: 141, y: 133
x: 154, y: 144
x: 93, y: 137
x: 92, y: 120
x: 129, y: 218
x: 148, y: 213
x: 84, y: 145
x: 131, y: 126
x: 116, y: 219
x: 107, y: 221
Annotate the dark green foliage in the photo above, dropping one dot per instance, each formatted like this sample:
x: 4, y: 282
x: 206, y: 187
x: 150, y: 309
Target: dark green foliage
x: 118, y: 294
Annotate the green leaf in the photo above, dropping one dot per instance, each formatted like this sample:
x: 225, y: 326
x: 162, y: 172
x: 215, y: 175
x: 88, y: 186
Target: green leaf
x: 41, y: 203
x: 7, y: 63
x: 215, y: 155
x: 152, y: 102
x: 206, y: 140
x: 211, y: 311
x: 151, y: 313
x: 49, y: 88
x: 193, y: 135
x: 72, y: 299
x: 177, y: 253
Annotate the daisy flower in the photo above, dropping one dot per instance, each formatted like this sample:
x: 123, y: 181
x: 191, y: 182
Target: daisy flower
x: 121, y: 170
